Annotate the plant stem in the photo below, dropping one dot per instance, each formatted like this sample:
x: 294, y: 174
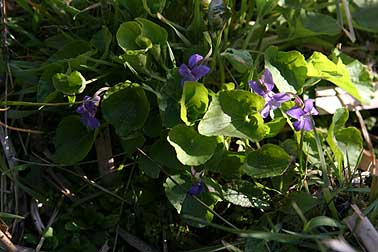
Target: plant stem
x: 326, y: 191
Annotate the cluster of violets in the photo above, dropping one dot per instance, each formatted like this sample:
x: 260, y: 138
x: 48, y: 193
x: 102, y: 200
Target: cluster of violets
x: 302, y: 112
x: 194, y: 71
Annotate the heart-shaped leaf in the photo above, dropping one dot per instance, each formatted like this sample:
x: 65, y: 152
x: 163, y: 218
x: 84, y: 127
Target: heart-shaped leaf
x: 126, y: 107
x: 234, y: 113
x: 191, y: 147
x: 72, y: 141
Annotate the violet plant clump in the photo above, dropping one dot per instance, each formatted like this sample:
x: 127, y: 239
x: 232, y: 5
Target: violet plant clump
x: 88, y: 110
x: 303, y: 115
x: 195, y: 70
x: 264, y: 87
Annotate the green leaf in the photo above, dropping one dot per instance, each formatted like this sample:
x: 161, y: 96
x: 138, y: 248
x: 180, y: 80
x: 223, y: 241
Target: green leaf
x: 101, y: 40
x: 361, y: 78
x: 138, y: 36
x: 268, y: 161
x: 126, y: 107
x: 229, y: 166
x: 320, y: 221
x: 153, y: 6
x: 152, y: 31
x: 194, y: 102
x: 310, y: 148
x: 366, y: 18
x: 338, y: 121
x: 345, y: 143
x: 275, y: 126
x: 127, y: 34
x: 45, y: 84
x: 349, y: 140
x: 191, y: 147
x: 72, y: 141
x: 70, y: 83
x: 169, y: 101
x: 246, y: 194
x: 234, y: 113
x: 48, y: 233
x: 305, y: 201
x: 176, y: 194
x: 313, y: 24
x: 241, y: 60
x: 194, y: 208
x: 131, y: 143
x: 289, y: 69
x: 162, y: 154
x: 321, y: 67
x: 71, y: 50
x: 185, y: 203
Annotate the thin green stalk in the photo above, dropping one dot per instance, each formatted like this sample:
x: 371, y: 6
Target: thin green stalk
x: 302, y: 168
x: 35, y: 104
x: 326, y: 191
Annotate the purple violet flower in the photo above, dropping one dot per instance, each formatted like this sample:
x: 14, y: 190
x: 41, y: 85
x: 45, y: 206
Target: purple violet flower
x: 264, y: 87
x: 88, y: 110
x: 303, y: 115
x: 194, y: 70
x: 197, y: 188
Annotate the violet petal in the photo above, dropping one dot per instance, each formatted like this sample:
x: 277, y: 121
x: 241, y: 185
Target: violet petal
x: 265, y: 111
x: 298, y: 125
x: 199, y: 71
x: 281, y: 97
x: 267, y: 79
x: 295, y: 112
x: 194, y: 60
x: 307, y: 123
x: 256, y: 87
x: 308, y: 105
x: 184, y: 70
x: 197, y: 188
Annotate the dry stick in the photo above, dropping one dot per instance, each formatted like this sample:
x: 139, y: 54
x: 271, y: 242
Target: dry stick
x: 49, y: 224
x: 135, y: 242
x: 182, y: 188
x: 122, y: 206
x: 7, y: 243
x: 8, y: 149
x: 374, y: 170
x: 20, y: 129
x: 105, y: 158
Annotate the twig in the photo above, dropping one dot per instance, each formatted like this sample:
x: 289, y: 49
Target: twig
x: 20, y: 129
x: 135, y: 241
x: 7, y: 243
x: 374, y: 168
x: 49, y: 224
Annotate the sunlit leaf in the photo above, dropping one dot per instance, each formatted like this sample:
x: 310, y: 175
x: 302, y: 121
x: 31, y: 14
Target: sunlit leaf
x: 194, y: 102
x: 234, y: 113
